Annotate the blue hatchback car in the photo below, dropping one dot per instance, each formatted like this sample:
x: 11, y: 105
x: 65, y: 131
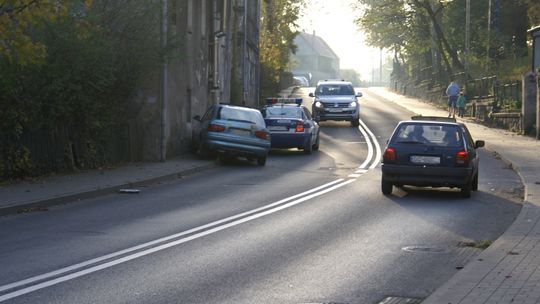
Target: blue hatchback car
x: 431, y: 151
x: 291, y: 124
x: 231, y: 131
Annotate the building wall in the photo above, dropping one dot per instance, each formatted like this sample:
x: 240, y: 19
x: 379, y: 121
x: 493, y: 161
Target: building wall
x: 205, y: 44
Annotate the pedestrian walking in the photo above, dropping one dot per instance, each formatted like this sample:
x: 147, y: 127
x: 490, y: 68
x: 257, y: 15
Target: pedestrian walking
x: 452, y: 91
x: 460, y: 103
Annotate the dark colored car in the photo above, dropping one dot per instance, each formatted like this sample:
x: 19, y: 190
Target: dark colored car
x: 231, y: 131
x: 290, y: 124
x: 336, y: 100
x: 431, y: 151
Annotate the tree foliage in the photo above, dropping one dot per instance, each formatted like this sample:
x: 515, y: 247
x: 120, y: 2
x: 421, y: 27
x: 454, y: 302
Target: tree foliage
x: 431, y: 33
x: 72, y: 75
x: 278, y: 30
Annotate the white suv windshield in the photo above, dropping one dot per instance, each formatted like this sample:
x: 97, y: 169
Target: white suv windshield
x: 334, y: 89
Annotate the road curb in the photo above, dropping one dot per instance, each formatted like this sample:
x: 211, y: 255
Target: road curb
x: 40, y: 204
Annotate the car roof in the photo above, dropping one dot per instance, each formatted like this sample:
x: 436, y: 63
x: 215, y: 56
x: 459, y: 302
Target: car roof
x: 334, y: 81
x: 226, y: 105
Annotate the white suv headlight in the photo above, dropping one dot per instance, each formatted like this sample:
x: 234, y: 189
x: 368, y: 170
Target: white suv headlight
x: 318, y: 104
x: 352, y: 104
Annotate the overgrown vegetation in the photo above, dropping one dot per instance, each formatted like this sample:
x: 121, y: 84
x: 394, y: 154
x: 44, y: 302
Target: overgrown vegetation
x: 68, y: 70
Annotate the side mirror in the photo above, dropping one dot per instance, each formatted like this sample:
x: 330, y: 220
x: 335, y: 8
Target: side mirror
x: 197, y: 118
x: 311, y: 95
x: 359, y: 94
x: 479, y: 144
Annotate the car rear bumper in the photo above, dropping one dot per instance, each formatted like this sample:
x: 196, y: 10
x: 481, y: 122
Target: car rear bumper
x: 252, y: 149
x: 426, y: 176
x: 289, y: 140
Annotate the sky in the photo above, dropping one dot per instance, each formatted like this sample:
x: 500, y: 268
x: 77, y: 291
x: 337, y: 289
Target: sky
x: 334, y: 22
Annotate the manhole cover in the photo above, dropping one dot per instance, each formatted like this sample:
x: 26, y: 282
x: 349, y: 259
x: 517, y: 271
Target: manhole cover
x: 400, y: 300
x: 428, y: 249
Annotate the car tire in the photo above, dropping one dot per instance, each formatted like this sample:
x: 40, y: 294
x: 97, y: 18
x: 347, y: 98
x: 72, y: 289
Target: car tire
x: 474, y: 186
x: 316, y: 144
x: 386, y: 187
x: 355, y: 123
x: 466, y: 190
x: 308, y: 148
x: 261, y: 161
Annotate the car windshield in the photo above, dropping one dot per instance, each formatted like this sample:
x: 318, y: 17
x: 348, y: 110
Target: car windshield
x: 433, y: 134
x: 281, y: 112
x: 237, y: 114
x: 334, y: 89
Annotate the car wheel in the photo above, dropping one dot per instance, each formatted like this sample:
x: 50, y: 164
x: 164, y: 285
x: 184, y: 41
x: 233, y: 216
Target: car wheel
x: 261, y: 161
x: 355, y: 123
x: 308, y: 148
x: 386, y: 187
x: 466, y: 190
x: 474, y: 186
x: 316, y: 144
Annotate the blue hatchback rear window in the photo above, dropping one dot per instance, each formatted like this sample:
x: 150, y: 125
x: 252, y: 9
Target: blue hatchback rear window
x: 433, y: 134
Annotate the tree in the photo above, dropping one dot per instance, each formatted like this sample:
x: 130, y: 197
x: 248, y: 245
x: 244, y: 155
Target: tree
x: 19, y: 19
x: 278, y: 30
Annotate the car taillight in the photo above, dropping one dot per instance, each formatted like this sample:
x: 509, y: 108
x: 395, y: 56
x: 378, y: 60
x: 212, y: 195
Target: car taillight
x: 216, y: 128
x: 261, y: 134
x: 462, y: 158
x: 299, y: 127
x: 389, y: 155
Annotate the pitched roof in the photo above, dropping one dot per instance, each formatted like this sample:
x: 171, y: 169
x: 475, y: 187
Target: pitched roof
x: 315, y: 44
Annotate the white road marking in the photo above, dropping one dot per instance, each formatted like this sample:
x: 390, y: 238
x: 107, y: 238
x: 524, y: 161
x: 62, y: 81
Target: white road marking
x: 355, y: 175
x: 369, y: 146
x: 160, y: 240
x: 263, y: 211
x: 377, y: 159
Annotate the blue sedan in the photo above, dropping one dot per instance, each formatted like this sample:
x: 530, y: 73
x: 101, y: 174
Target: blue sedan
x: 231, y: 131
x: 291, y: 125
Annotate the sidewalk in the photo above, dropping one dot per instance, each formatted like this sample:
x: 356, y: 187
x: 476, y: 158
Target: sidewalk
x: 54, y: 190
x: 509, y: 270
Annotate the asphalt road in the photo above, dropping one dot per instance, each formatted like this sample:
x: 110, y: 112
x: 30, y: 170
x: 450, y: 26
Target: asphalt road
x: 302, y: 229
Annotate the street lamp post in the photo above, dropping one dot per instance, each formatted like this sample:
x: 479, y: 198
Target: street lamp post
x: 467, y: 35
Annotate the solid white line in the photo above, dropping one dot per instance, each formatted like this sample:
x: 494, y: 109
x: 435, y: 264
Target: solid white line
x: 377, y: 159
x: 354, y: 175
x: 165, y: 246
x: 167, y: 238
x: 370, y: 148
x: 362, y: 171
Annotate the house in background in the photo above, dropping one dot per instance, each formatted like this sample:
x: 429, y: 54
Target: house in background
x: 314, y: 59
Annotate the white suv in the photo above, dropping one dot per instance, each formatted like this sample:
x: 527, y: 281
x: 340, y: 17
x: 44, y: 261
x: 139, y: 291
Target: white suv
x: 336, y: 100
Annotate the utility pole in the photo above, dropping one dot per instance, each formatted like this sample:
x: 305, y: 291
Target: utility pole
x: 467, y: 36
x: 164, y: 81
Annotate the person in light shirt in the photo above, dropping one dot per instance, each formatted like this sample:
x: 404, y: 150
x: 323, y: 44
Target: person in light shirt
x: 452, y: 91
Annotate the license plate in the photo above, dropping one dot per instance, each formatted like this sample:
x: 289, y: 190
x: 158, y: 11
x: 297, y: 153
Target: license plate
x: 240, y: 132
x: 284, y: 121
x: 335, y: 110
x: 425, y: 160
x: 277, y: 128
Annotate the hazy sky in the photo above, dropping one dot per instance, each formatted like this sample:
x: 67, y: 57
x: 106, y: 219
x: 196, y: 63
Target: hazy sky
x: 334, y: 22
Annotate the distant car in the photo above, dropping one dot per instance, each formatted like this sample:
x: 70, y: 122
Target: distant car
x: 231, y: 131
x: 300, y: 81
x: 290, y: 124
x: 431, y: 151
x: 336, y: 100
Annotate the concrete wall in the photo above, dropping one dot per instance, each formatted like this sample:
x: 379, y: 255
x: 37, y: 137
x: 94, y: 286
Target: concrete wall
x: 205, y: 44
